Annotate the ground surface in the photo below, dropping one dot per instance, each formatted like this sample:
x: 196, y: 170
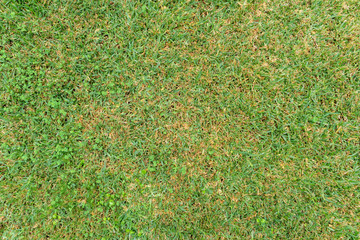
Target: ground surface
x: 179, y: 119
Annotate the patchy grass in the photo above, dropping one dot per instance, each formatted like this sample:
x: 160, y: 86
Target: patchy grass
x: 179, y: 119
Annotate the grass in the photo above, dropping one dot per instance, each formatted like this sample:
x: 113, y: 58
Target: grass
x: 179, y: 119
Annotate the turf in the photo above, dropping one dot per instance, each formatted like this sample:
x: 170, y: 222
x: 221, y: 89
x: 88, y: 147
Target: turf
x: 179, y: 119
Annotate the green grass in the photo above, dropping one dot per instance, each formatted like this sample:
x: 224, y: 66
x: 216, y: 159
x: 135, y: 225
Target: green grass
x: 179, y: 119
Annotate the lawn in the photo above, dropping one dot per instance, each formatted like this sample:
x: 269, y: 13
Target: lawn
x: 129, y: 119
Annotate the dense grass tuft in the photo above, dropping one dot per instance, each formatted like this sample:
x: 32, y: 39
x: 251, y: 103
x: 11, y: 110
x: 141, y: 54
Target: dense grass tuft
x: 179, y: 119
